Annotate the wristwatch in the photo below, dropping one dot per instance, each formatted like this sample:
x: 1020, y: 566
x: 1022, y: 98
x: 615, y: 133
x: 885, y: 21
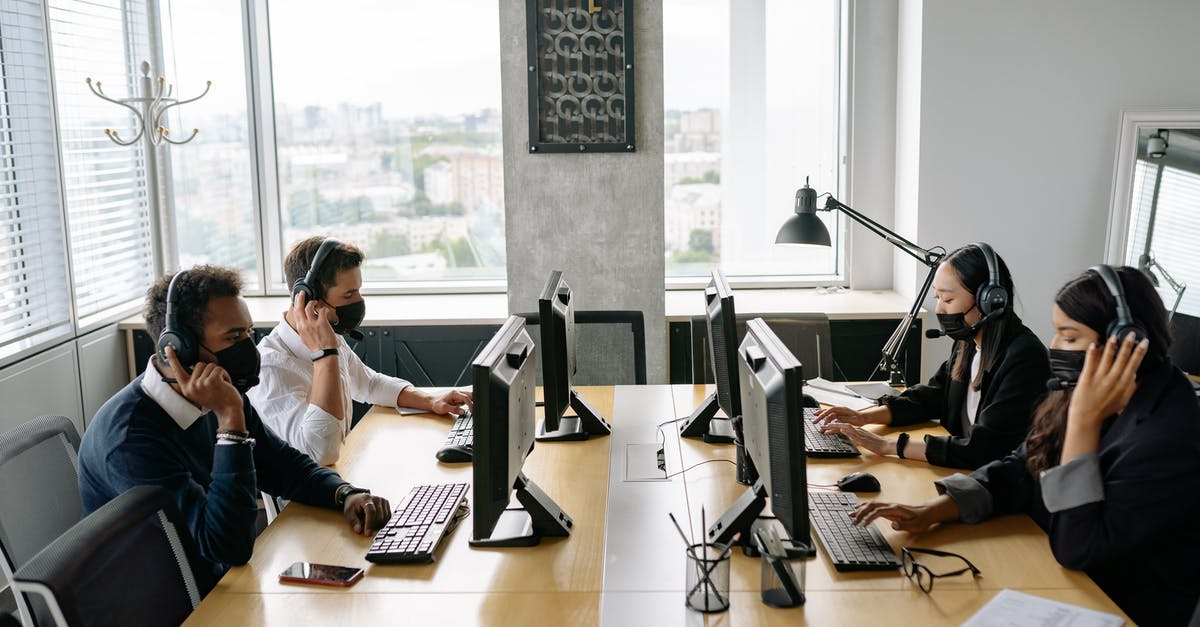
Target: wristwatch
x: 344, y: 491
x: 322, y: 354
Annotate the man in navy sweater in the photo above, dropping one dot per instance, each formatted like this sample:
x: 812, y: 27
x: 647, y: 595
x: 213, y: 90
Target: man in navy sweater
x: 189, y: 428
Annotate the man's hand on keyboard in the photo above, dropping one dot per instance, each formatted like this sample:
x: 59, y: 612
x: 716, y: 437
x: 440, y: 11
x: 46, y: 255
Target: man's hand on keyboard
x: 366, y: 513
x: 861, y: 437
x: 451, y: 402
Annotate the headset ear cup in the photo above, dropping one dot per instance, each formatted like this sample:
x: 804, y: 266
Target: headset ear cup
x: 1119, y: 331
x: 184, y: 345
x: 300, y: 286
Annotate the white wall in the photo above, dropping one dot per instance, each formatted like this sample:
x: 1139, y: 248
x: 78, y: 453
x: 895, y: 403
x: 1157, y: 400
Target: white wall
x: 1019, y: 106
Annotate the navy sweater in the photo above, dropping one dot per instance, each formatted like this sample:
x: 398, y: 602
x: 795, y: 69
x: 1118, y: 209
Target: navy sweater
x: 133, y: 441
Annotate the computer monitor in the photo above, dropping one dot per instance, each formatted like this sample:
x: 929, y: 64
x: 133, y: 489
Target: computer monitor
x: 556, y: 317
x: 721, y: 323
x: 504, y: 382
x: 772, y: 401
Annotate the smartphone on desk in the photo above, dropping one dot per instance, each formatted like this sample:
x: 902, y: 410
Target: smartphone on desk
x: 321, y: 574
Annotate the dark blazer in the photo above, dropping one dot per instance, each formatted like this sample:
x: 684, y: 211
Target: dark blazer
x: 1139, y: 544
x: 1008, y: 393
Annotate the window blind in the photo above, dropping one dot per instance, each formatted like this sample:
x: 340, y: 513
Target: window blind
x: 1175, y: 230
x: 105, y: 184
x: 34, y: 289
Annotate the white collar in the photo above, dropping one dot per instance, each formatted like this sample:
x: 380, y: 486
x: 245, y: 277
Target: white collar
x: 180, y: 409
x: 291, y: 339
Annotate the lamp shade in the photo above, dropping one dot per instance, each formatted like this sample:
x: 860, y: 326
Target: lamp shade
x: 804, y: 227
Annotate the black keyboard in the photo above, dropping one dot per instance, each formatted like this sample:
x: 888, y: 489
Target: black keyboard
x: 459, y: 444
x: 849, y: 547
x: 424, y: 517
x: 817, y: 444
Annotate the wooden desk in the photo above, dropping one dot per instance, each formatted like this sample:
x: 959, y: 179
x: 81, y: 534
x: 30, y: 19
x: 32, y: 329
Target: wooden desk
x: 623, y: 564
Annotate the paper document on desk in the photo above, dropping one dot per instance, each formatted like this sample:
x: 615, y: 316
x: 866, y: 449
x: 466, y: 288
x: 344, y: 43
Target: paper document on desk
x: 1017, y: 608
x: 434, y: 391
x: 830, y: 393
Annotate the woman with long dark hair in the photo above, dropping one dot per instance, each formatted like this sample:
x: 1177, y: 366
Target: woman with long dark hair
x: 984, y: 394
x: 1111, y: 469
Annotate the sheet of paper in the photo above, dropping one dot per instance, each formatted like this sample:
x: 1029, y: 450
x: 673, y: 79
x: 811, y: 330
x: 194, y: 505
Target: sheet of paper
x: 829, y: 386
x: 1017, y: 608
x: 854, y: 402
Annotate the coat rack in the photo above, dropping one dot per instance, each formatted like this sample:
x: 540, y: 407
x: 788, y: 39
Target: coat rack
x: 150, y: 110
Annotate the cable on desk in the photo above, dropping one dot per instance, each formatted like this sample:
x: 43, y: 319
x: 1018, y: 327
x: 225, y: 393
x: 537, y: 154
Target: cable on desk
x: 700, y: 464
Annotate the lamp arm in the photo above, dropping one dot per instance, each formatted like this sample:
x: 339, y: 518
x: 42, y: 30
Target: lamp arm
x: 891, y: 350
x: 1176, y: 286
x: 927, y: 257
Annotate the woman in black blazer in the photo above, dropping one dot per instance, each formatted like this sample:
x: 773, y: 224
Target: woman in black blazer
x: 984, y: 394
x: 1111, y: 469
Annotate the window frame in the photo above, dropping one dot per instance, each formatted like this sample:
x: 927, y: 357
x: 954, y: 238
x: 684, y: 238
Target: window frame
x: 842, y: 279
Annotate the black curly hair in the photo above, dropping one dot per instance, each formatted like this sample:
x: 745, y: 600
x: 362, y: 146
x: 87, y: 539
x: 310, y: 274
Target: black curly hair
x: 194, y: 289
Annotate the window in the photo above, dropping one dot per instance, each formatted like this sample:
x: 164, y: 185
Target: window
x: 106, y: 193
x: 1168, y: 216
x: 752, y: 102
x: 388, y: 133
x: 34, y: 305
x: 211, y: 190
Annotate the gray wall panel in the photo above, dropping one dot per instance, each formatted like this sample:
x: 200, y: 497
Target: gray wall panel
x: 102, y: 367
x: 47, y: 383
x: 596, y: 217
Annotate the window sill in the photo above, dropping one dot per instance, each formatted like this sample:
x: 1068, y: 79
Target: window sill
x: 469, y: 309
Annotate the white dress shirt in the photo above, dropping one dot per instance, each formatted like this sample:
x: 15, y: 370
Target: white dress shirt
x: 180, y: 409
x: 285, y: 383
x: 973, y: 395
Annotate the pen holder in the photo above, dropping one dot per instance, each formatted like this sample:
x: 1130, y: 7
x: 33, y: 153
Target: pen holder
x: 780, y: 585
x: 708, y: 577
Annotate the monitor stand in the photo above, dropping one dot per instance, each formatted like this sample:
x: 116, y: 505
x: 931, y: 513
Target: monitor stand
x: 744, y: 515
x: 526, y: 526
x: 586, y: 422
x: 704, y: 423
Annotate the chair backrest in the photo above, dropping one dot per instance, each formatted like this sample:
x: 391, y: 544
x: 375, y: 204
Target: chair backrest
x: 131, y: 562
x: 805, y: 334
x: 39, y: 490
x: 610, y: 346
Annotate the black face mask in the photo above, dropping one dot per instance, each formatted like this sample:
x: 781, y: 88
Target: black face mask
x: 349, y: 317
x: 241, y: 361
x: 1066, y: 365
x: 956, y: 327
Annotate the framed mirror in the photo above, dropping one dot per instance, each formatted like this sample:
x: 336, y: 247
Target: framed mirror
x: 1154, y: 218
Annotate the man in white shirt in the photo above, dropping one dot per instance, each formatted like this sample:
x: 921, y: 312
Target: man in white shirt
x: 309, y: 375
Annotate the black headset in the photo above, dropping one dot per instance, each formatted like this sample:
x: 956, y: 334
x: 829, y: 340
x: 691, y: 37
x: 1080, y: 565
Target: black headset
x: 176, y: 335
x: 309, y: 284
x: 1124, y: 322
x: 991, y: 297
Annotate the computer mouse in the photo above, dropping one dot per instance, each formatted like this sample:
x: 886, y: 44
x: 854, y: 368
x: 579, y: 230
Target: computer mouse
x: 455, y: 454
x: 858, y: 482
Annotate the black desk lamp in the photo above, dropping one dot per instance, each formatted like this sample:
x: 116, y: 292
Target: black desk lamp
x: 806, y: 228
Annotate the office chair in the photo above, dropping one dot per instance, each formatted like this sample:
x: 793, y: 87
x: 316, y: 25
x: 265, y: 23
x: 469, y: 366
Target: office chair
x: 600, y: 354
x: 807, y: 335
x: 8, y: 620
x: 39, y: 491
x: 131, y: 562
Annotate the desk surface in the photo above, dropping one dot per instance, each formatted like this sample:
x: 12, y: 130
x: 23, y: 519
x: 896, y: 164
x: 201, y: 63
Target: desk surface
x: 623, y: 563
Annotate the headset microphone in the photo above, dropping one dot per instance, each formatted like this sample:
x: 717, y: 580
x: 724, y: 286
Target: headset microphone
x: 934, y: 334
x: 1056, y: 384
